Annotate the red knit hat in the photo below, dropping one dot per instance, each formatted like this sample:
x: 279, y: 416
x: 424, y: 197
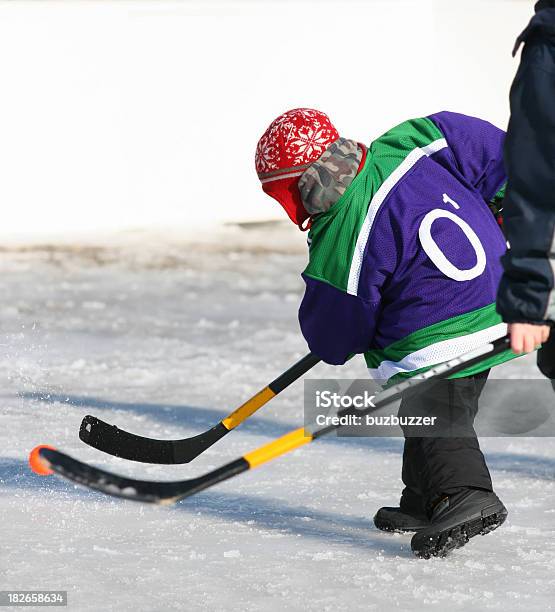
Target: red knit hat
x: 291, y: 143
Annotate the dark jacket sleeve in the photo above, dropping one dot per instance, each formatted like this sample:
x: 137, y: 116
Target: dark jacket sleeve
x: 526, y: 292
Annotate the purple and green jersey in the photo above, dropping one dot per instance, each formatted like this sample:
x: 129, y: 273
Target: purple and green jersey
x: 405, y: 266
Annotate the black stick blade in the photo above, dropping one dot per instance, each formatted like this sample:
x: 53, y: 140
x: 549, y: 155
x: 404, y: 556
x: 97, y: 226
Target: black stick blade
x: 149, y: 491
x: 120, y: 443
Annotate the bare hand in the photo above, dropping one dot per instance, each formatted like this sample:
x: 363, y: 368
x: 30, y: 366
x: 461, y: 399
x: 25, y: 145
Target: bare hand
x: 526, y: 337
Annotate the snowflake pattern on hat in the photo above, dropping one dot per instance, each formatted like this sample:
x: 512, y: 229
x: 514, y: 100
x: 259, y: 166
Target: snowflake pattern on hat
x: 296, y: 138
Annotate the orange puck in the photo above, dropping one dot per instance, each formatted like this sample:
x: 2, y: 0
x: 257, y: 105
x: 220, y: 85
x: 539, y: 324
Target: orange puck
x: 36, y: 462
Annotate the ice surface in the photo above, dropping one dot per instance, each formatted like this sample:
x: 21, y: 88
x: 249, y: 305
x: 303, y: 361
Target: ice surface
x: 164, y: 339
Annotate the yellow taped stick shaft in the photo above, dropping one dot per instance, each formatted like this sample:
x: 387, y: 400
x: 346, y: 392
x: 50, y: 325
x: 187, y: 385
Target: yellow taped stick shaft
x: 286, y: 443
x: 250, y: 407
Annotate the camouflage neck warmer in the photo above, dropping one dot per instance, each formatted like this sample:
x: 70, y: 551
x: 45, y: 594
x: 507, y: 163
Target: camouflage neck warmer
x: 327, y: 179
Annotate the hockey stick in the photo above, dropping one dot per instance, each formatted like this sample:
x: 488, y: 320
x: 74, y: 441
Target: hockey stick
x: 120, y: 443
x: 169, y: 492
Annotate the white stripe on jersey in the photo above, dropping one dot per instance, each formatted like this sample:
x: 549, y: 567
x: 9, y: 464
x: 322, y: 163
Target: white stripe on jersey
x: 378, y: 200
x: 438, y: 352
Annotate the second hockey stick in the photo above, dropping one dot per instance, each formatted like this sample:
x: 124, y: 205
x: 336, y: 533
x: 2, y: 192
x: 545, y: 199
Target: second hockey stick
x: 120, y: 443
x: 169, y: 492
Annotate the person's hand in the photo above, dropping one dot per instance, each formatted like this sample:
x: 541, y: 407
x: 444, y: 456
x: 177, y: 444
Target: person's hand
x: 526, y: 337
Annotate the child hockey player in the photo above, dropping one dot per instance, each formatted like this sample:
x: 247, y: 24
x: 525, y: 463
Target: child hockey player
x: 404, y: 265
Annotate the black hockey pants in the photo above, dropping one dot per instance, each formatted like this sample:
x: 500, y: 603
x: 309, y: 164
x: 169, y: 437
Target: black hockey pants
x: 438, y: 464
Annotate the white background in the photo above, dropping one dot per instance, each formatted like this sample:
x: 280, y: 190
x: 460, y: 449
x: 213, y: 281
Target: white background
x: 141, y: 115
